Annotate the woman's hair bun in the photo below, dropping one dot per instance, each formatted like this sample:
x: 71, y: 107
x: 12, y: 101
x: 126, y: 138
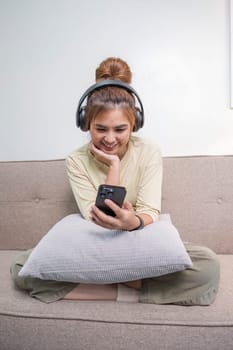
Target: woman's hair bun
x: 114, y: 68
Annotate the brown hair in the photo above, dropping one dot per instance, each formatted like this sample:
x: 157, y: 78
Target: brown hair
x: 113, y: 68
x: 110, y: 97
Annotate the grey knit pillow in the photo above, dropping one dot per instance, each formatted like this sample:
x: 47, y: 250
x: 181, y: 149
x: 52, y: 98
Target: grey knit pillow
x: 77, y: 250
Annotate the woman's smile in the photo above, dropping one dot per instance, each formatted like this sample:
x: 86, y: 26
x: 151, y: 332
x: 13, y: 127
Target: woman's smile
x: 109, y: 147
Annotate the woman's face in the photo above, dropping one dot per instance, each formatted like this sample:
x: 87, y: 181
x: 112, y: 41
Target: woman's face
x: 110, y: 132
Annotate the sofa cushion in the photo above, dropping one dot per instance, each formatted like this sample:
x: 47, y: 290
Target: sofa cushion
x: 16, y: 302
x: 102, y: 325
x: 77, y: 250
x: 197, y: 193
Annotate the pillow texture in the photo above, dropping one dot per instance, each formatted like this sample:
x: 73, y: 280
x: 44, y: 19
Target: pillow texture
x: 77, y: 250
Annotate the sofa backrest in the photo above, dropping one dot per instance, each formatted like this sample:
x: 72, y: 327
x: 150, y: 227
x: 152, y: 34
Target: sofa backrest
x: 197, y: 193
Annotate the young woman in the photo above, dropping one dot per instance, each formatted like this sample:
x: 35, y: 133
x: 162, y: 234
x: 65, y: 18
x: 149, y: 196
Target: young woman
x: 114, y: 156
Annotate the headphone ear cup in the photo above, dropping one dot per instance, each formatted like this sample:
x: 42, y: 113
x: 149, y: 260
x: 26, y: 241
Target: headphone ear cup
x: 81, y: 119
x: 138, y: 120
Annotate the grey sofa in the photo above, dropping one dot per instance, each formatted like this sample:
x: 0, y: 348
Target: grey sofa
x: 198, y: 194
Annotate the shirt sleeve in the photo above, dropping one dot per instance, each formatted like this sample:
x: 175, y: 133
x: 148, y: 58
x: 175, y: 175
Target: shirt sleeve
x: 150, y: 184
x: 83, y: 187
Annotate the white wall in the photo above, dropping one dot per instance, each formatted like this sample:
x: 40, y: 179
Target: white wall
x: 178, y: 51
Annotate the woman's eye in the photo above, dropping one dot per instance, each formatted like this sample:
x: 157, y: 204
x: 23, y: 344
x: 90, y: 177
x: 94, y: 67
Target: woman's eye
x: 101, y: 130
x: 120, y: 130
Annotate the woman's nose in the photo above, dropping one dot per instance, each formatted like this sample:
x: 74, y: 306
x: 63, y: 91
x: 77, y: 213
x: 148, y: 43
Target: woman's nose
x: 110, y: 137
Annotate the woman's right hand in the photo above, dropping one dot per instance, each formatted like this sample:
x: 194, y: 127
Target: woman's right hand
x: 108, y: 159
x: 112, y: 161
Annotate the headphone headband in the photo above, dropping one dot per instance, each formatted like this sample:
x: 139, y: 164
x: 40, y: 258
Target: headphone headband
x: 80, y: 114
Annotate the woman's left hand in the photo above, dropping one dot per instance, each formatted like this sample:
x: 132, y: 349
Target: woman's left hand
x: 125, y: 218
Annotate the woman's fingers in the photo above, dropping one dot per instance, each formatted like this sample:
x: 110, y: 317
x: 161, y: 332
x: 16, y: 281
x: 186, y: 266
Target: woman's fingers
x: 102, y: 156
x: 113, y: 206
x: 100, y: 218
x: 127, y: 205
x: 125, y: 218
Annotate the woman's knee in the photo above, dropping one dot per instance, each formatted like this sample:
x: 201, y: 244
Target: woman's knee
x: 205, y: 264
x: 19, y: 281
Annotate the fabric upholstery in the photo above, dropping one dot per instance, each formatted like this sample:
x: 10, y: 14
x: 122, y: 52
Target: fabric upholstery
x: 197, y: 192
x: 96, y: 325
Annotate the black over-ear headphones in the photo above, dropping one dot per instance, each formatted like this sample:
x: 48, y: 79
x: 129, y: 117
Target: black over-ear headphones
x: 80, y: 114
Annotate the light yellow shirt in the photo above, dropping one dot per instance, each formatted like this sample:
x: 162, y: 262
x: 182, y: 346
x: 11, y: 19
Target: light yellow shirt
x: 140, y: 173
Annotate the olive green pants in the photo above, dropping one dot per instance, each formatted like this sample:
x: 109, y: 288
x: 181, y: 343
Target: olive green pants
x: 194, y: 286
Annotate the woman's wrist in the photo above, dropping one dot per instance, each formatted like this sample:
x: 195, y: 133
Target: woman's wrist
x: 115, y: 164
x: 140, y: 225
x: 113, y: 177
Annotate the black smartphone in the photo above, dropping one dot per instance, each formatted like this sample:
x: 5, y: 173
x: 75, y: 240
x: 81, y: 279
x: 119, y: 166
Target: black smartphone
x: 115, y: 193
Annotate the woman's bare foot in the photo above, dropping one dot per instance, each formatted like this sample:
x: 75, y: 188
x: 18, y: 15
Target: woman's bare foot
x: 134, y: 284
x: 93, y: 292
